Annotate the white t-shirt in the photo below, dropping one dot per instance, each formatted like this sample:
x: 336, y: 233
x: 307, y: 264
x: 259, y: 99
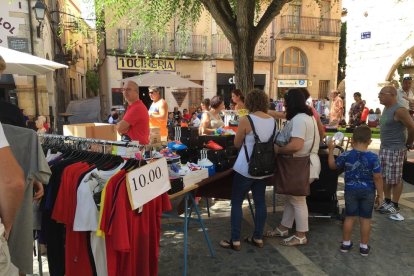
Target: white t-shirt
x: 196, y: 122
x: 304, y: 127
x: 401, y: 100
x: 264, y: 129
x: 87, y: 214
x: 3, y: 140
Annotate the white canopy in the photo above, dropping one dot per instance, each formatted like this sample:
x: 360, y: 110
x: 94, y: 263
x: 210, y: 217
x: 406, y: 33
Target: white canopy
x: 26, y: 64
x: 162, y: 78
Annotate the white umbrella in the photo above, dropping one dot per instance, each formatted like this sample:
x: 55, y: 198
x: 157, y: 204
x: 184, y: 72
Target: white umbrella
x: 26, y: 64
x: 162, y: 78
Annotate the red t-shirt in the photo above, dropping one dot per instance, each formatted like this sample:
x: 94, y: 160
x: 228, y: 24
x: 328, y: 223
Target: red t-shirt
x: 138, y: 119
x: 133, y: 237
x: 364, y: 115
x: 187, y: 116
x: 77, y: 260
x: 110, y: 196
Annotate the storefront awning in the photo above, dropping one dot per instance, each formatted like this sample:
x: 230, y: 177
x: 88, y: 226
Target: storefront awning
x: 7, y: 81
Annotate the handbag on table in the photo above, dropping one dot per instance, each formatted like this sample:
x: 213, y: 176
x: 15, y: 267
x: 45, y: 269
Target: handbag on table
x: 292, y: 173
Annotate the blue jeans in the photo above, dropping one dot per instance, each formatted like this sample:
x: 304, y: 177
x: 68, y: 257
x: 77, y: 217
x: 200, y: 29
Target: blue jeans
x: 241, y: 185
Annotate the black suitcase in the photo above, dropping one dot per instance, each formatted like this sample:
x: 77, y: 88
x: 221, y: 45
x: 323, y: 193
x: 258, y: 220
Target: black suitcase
x: 408, y: 171
x: 325, y: 187
x: 322, y: 198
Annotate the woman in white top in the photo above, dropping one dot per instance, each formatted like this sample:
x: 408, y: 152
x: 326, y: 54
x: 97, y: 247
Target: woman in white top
x: 257, y: 103
x: 211, y: 119
x: 303, y: 139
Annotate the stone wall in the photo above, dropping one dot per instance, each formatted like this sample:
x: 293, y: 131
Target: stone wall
x: 371, y: 61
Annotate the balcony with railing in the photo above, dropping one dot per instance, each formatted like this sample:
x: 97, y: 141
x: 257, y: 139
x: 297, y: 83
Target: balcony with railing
x: 308, y: 26
x: 221, y: 48
x: 170, y: 43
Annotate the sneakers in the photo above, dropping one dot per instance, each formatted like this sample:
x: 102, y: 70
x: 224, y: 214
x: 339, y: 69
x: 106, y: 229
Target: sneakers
x: 397, y: 217
x: 388, y: 208
x: 213, y: 145
x: 364, y: 251
x: 384, y: 206
x: 345, y: 248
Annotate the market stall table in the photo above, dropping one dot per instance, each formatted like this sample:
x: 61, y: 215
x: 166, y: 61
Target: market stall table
x: 187, y: 195
x: 216, y: 186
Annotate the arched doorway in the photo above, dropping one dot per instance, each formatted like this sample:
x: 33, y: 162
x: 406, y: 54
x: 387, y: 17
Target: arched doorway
x: 404, y: 63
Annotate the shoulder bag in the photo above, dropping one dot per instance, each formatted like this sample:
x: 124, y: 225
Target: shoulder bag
x: 292, y: 173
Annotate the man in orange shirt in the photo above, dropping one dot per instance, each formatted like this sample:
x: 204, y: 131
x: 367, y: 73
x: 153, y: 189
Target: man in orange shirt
x: 135, y: 123
x: 158, y: 111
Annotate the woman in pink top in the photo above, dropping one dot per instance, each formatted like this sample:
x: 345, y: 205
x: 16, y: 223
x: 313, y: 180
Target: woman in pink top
x: 337, y: 109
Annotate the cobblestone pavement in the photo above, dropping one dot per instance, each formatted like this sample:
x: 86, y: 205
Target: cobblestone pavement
x: 392, y: 245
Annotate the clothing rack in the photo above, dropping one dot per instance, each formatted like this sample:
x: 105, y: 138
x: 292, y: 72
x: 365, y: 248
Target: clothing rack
x: 91, y: 140
x: 126, y: 149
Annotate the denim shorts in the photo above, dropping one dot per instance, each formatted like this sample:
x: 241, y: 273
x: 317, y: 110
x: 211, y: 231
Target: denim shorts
x: 359, y: 203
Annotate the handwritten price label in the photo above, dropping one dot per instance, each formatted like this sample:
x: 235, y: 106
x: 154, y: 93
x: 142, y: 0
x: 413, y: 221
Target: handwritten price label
x: 147, y: 182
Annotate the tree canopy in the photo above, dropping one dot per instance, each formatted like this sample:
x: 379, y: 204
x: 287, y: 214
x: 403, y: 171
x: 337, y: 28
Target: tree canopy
x: 242, y: 22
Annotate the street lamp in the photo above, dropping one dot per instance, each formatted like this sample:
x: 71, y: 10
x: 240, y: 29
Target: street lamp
x: 39, y: 10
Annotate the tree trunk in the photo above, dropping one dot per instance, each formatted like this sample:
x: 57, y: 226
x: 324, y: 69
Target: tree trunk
x: 243, y: 57
x: 238, y: 25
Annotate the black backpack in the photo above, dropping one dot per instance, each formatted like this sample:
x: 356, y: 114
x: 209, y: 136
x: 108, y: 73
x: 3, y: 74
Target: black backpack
x: 262, y: 160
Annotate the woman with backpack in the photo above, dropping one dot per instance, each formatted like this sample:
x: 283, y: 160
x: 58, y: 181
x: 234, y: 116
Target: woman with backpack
x: 304, y: 140
x: 257, y: 103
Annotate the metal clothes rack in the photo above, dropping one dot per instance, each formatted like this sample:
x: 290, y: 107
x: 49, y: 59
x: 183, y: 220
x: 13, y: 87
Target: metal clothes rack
x: 91, y: 140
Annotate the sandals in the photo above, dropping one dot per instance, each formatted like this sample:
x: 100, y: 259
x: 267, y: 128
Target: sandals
x: 252, y: 241
x: 229, y: 245
x: 294, y: 240
x: 276, y: 232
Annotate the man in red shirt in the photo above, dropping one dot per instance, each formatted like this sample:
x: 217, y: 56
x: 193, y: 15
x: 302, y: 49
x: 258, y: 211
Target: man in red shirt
x: 135, y: 123
x: 186, y: 115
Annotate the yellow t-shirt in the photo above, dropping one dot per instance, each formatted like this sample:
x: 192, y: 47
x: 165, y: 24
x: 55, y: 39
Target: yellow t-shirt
x: 242, y: 112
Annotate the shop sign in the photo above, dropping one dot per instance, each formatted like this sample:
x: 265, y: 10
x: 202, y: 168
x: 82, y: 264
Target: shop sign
x: 365, y: 35
x: 292, y: 83
x: 230, y: 79
x: 144, y: 64
x: 9, y: 26
x: 20, y: 44
x: 147, y: 182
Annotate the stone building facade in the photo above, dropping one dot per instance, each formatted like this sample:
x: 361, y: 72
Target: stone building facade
x: 380, y: 46
x: 64, y: 37
x: 298, y: 49
x: 25, y: 37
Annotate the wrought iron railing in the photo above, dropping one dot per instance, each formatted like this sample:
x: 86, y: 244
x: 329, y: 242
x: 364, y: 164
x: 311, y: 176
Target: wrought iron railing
x: 193, y: 45
x: 169, y: 43
x: 290, y: 24
x: 221, y: 46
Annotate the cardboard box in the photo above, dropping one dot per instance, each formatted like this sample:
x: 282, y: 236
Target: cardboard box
x: 195, y: 177
x: 92, y: 130
x: 155, y: 131
x: 155, y: 139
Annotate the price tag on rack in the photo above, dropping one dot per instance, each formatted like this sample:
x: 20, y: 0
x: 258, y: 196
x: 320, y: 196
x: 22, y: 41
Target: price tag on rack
x: 147, y: 182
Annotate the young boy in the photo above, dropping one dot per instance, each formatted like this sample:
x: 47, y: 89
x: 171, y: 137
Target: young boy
x: 362, y: 176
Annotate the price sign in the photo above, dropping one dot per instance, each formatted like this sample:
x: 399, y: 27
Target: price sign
x: 147, y: 182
